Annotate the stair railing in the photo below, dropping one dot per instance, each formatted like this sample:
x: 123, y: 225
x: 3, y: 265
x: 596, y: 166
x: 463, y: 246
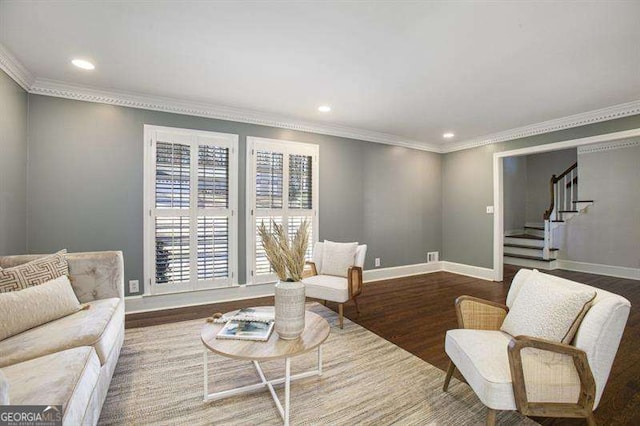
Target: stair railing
x: 563, y: 192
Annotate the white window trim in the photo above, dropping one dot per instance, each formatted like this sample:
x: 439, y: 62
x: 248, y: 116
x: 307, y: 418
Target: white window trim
x: 190, y: 137
x: 286, y: 147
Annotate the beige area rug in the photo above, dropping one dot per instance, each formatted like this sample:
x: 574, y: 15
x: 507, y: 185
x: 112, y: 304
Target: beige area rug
x: 366, y: 380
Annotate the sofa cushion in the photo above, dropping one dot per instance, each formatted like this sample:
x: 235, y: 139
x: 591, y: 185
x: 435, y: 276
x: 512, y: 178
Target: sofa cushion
x: 546, y: 309
x: 36, y: 272
x: 97, y: 326
x: 4, y: 389
x: 337, y: 258
x: 482, y: 358
x: 37, y: 305
x: 327, y: 287
x: 65, y: 378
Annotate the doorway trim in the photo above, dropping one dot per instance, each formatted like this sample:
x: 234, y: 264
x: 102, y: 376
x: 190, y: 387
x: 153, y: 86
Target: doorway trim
x: 498, y: 184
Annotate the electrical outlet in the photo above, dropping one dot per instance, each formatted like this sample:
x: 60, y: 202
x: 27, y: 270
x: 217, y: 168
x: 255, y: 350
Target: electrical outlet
x: 134, y: 286
x: 489, y: 209
x: 432, y: 256
x: 377, y: 262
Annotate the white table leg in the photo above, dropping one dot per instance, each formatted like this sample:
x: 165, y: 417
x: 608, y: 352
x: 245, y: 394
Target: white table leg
x: 320, y: 360
x: 287, y: 389
x: 206, y: 374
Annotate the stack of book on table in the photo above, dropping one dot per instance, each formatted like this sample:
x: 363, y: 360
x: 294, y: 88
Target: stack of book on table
x: 248, y: 324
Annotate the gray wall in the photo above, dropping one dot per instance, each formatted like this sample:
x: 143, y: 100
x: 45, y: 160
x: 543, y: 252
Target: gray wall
x: 540, y: 168
x: 467, y: 179
x: 86, y: 173
x: 515, y: 193
x: 13, y: 166
x: 607, y: 232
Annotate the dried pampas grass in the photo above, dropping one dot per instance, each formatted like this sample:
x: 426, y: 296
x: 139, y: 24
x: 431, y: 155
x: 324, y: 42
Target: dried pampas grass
x: 285, y: 256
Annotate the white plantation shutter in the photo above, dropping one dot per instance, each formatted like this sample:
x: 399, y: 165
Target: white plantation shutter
x: 191, y: 225
x: 282, y: 187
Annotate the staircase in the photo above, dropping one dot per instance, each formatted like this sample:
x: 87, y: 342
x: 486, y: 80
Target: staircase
x: 533, y: 247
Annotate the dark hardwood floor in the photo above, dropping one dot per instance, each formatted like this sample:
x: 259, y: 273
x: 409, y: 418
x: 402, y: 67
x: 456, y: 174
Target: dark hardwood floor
x: 415, y: 313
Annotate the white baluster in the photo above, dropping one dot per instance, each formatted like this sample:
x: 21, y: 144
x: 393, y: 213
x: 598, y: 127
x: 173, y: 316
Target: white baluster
x: 571, y: 192
x: 557, y: 204
x: 565, y: 193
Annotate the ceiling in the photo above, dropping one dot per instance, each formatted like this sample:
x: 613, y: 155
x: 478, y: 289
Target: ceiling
x: 410, y: 69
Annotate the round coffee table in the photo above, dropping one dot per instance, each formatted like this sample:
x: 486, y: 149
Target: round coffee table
x: 315, y: 333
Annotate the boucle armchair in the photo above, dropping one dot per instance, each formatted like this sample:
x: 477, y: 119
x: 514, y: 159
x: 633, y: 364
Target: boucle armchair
x: 339, y: 289
x: 534, y: 376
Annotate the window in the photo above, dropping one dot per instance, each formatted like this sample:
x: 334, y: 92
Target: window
x: 190, y: 209
x: 282, y: 187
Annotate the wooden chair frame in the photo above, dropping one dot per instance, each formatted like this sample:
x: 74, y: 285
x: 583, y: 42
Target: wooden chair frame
x: 479, y: 314
x: 582, y: 409
x: 354, y: 280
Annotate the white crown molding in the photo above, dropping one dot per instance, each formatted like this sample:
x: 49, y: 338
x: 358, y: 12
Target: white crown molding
x: 14, y: 68
x: 607, y: 146
x: 156, y: 103
x: 577, y: 120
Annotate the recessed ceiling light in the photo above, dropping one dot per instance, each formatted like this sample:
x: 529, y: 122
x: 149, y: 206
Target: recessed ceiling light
x: 81, y: 63
x: 324, y: 108
x: 448, y: 135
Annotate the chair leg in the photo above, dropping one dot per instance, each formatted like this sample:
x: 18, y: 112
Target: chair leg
x: 491, y: 417
x: 591, y: 421
x: 325, y: 303
x: 447, y: 379
x: 341, y: 314
x: 355, y: 300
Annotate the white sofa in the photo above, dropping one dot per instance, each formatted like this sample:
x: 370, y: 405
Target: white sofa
x: 70, y: 361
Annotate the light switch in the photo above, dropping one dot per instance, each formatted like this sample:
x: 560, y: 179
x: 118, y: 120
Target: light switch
x: 489, y: 209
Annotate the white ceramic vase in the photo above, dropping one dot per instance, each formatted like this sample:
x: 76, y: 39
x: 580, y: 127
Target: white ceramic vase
x: 289, y: 315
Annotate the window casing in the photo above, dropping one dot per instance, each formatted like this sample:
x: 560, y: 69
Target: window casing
x: 282, y: 187
x: 190, y: 218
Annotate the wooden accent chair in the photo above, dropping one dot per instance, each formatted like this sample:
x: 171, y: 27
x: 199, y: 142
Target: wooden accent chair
x: 333, y: 288
x: 537, y: 377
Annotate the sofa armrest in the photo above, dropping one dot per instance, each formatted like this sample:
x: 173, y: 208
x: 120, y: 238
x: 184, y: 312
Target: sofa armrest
x: 94, y: 275
x: 539, y: 374
x: 479, y: 314
x: 97, y: 275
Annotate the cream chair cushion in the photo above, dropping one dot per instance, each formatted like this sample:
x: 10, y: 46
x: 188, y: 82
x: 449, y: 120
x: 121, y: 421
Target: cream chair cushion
x: 65, y: 378
x: 97, y: 326
x: 37, y: 305
x: 327, y: 287
x: 337, y: 258
x: 482, y: 358
x: 547, y: 310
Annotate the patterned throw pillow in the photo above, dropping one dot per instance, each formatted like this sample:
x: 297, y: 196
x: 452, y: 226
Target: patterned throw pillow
x: 33, y: 273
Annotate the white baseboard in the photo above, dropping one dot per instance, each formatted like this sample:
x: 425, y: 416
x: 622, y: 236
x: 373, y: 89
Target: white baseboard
x: 595, y: 268
x: 381, y: 274
x: 468, y: 270
x: 135, y: 304
x: 160, y: 302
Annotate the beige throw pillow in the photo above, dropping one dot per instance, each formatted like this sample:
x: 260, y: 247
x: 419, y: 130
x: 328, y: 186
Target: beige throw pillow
x: 37, y: 305
x: 33, y: 273
x: 337, y: 258
x: 547, y: 310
